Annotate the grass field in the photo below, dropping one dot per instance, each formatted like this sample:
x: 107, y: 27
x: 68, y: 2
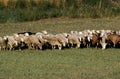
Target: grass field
x: 86, y: 63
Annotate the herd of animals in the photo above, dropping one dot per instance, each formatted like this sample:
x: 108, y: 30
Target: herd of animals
x: 74, y: 39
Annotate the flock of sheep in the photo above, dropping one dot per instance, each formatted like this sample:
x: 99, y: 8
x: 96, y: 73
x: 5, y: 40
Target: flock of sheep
x: 75, y: 39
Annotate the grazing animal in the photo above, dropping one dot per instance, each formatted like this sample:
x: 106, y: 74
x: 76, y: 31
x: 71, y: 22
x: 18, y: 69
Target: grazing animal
x: 113, y: 39
x: 74, y: 41
x: 95, y: 40
x: 44, y: 40
x: 12, y: 43
x: 3, y: 43
x: 54, y: 42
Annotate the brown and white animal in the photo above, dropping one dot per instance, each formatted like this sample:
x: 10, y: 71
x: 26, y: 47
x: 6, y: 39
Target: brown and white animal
x: 74, y: 40
x: 62, y: 38
x: 12, y: 43
x: 32, y: 42
x: 53, y: 41
x: 3, y: 43
x: 95, y: 41
x: 113, y: 39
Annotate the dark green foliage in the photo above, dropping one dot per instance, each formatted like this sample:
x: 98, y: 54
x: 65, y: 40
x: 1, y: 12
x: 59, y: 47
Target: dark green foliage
x: 21, y: 4
x: 22, y: 11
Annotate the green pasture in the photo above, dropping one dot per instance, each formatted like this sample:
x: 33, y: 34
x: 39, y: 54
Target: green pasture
x: 83, y: 63
x: 59, y: 25
x: 60, y: 64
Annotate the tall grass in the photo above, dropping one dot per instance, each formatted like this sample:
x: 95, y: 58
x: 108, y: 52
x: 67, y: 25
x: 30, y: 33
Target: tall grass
x: 29, y: 10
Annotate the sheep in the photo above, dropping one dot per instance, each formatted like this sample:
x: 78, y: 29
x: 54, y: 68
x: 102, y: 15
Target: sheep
x: 74, y: 40
x: 95, y: 40
x: 27, y: 42
x: 19, y: 39
x: 87, y: 35
x: 53, y: 41
x: 62, y: 39
x: 113, y: 39
x: 26, y: 33
x: 32, y: 42
x: 3, y: 43
x: 44, y: 40
x: 103, y: 43
x: 12, y: 43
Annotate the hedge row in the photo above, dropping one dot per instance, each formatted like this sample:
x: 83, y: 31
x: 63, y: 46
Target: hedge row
x: 31, y: 10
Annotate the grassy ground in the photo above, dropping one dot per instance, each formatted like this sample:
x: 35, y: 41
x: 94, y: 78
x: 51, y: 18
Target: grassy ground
x: 87, y: 63
x: 56, y: 64
x: 59, y: 25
